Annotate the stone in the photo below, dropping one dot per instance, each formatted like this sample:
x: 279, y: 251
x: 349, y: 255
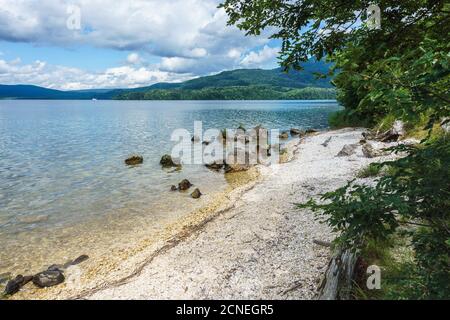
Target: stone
x: 370, y: 152
x: 184, y: 185
x: 80, y: 259
x: 296, y: 132
x: 394, y: 134
x: 311, y: 131
x: 48, y: 278
x: 284, y: 135
x: 167, y: 161
x: 134, y: 160
x: 196, y: 194
x: 13, y: 286
x: 173, y: 188
x: 327, y: 142
x: 215, y: 166
x: 347, y: 150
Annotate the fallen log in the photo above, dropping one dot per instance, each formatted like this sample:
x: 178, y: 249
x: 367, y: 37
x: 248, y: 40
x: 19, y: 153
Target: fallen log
x: 337, y: 283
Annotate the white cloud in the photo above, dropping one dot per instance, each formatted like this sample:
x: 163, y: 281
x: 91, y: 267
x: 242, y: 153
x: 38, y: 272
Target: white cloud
x: 134, y: 58
x: 66, y: 78
x: 188, y: 37
x: 256, y: 59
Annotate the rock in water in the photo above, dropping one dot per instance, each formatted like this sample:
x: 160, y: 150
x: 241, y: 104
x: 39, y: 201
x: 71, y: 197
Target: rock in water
x: 284, y: 135
x: 48, y: 278
x: 134, y: 160
x: 196, y: 194
x: 13, y: 286
x: 296, y: 132
x: 184, y: 185
x: 173, y: 188
x: 167, y: 161
x: 347, y: 150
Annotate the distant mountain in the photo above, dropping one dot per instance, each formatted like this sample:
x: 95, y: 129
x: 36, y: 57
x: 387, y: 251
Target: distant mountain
x: 236, y: 84
x: 35, y: 92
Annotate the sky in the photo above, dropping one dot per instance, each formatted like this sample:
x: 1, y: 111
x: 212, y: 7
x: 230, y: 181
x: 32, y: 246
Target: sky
x: 85, y: 44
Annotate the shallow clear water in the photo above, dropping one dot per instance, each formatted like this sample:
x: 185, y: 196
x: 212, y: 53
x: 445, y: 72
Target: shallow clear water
x: 62, y: 163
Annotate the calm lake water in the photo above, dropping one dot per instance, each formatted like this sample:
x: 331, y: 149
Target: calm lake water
x: 62, y: 166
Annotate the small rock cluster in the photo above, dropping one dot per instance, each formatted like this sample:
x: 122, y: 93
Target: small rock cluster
x: 53, y: 276
x: 185, y: 185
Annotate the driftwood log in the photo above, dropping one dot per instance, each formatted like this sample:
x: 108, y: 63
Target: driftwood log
x: 338, y: 280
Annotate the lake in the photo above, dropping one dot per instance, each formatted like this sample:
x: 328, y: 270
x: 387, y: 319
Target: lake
x: 64, y: 188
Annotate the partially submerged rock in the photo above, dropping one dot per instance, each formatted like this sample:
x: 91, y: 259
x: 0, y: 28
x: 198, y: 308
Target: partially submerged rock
x: 48, y: 278
x: 347, y: 150
x: 134, y: 160
x: 184, y: 185
x: 196, y: 194
x: 167, y: 161
x: 173, y: 188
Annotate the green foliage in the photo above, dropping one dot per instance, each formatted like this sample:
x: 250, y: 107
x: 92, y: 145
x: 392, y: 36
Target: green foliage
x: 416, y: 192
x: 371, y: 170
x: 233, y: 93
x: 348, y: 118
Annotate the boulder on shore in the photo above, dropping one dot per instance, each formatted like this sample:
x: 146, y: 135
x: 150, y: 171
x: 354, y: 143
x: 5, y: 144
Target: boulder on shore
x: 13, y: 286
x: 167, y: 161
x: 370, y: 152
x: 48, y: 278
x: 173, y: 188
x: 196, y: 194
x: 134, y: 160
x: 284, y: 135
x: 311, y: 131
x: 347, y: 150
x: 214, y: 166
x: 184, y: 185
x: 296, y: 132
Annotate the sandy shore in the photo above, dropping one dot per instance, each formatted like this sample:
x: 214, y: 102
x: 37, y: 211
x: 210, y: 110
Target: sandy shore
x: 251, y: 243
x: 261, y: 248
